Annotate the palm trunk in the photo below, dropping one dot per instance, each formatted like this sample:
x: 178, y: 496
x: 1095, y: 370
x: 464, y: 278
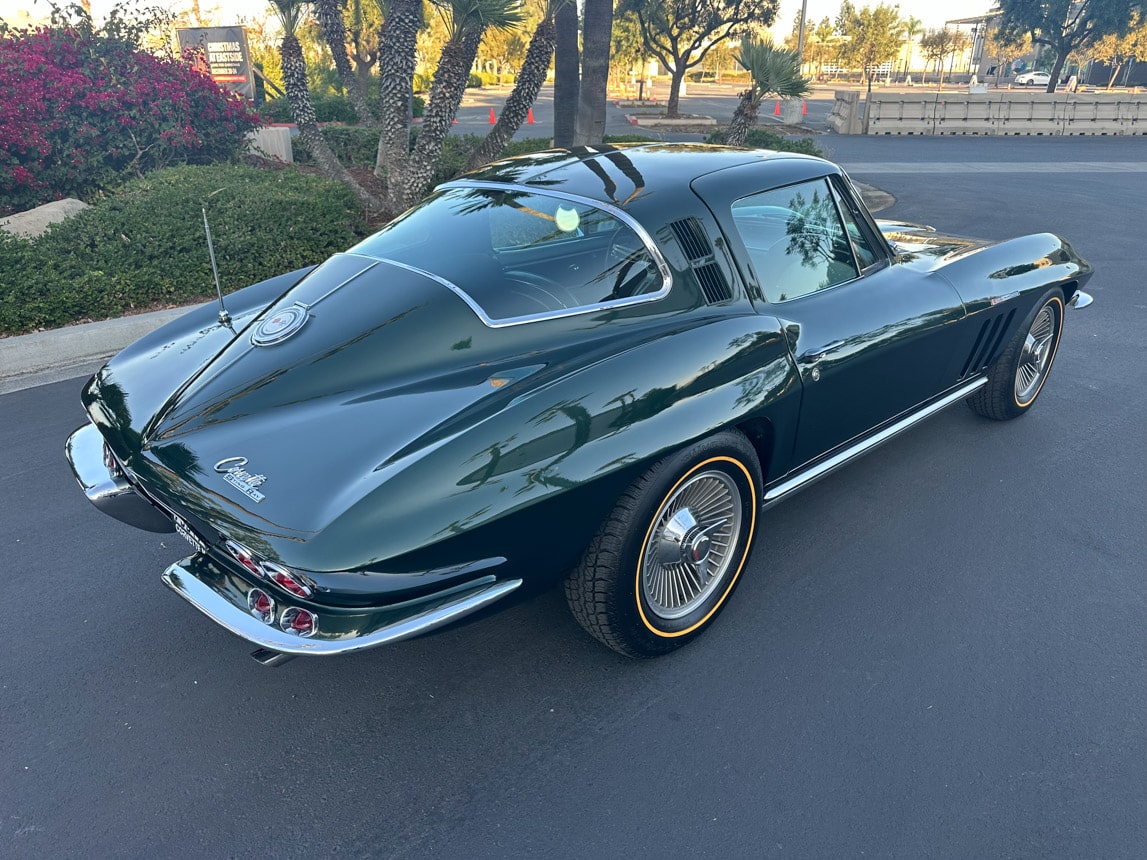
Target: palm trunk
x: 744, y: 118
x: 334, y: 34
x: 597, y: 28
x: 396, y: 44
x: 445, y: 95
x: 567, y: 71
x: 526, y: 89
x: 299, y: 97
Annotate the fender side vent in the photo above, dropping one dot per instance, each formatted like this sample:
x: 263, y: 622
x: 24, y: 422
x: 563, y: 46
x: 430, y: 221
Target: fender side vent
x: 691, y: 237
x: 713, y: 283
x: 994, y: 352
x: 988, y: 341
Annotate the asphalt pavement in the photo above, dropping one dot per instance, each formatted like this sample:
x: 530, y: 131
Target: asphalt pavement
x: 936, y: 652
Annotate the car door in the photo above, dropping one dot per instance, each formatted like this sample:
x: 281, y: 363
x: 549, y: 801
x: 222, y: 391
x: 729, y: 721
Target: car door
x: 870, y: 339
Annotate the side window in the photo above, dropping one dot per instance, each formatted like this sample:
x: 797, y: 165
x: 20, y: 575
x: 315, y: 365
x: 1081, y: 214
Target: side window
x: 860, y: 244
x: 797, y: 244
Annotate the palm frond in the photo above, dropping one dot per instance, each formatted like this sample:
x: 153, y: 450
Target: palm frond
x: 775, y: 71
x: 289, y: 13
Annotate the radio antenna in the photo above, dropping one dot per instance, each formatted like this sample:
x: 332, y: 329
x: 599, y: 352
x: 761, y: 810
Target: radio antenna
x: 224, y: 317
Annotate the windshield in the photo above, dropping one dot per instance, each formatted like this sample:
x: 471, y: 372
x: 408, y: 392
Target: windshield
x: 518, y: 255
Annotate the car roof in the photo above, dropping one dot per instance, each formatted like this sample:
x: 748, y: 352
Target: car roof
x: 642, y: 179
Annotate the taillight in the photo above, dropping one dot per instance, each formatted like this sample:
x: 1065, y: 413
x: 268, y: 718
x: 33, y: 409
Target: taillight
x: 261, y: 604
x: 299, y: 622
x: 244, y: 556
x: 111, y: 462
x: 286, y: 579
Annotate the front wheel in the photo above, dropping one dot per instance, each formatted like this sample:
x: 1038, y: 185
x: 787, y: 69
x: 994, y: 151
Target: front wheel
x: 1017, y: 378
x: 664, y: 562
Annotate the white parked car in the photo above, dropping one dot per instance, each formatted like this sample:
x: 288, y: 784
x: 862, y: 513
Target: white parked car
x: 1033, y: 79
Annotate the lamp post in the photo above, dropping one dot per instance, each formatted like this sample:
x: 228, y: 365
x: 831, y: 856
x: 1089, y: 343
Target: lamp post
x: 800, y: 36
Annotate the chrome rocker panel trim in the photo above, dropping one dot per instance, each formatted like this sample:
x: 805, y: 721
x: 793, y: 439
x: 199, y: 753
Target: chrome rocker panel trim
x: 111, y: 493
x: 222, y: 596
x: 819, y: 470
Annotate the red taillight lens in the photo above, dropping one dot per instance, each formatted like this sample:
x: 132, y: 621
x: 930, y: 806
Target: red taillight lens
x: 261, y: 605
x: 244, y: 556
x: 111, y: 462
x: 299, y: 622
x: 286, y: 579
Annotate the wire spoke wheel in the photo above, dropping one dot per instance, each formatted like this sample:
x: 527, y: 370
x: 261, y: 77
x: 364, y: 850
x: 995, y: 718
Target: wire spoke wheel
x: 689, y: 549
x: 1035, y: 354
x: 1018, y: 375
x: 664, y: 562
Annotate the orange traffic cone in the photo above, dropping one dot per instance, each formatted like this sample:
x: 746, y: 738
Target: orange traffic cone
x: 530, y: 117
x: 777, y: 109
x: 493, y: 119
x: 804, y: 108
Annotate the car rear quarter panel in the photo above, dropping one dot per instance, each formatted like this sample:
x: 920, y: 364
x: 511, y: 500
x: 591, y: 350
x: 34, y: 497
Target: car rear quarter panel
x: 534, y: 481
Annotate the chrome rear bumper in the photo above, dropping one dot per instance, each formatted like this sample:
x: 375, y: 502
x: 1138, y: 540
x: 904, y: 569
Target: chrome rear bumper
x: 222, y: 596
x: 1080, y: 299
x: 109, y: 490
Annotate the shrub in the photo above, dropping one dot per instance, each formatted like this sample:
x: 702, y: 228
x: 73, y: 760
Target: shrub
x: 328, y: 108
x: 331, y: 108
x: 144, y: 246
x: 474, y: 81
x: 82, y: 109
x: 355, y: 145
x: 758, y: 138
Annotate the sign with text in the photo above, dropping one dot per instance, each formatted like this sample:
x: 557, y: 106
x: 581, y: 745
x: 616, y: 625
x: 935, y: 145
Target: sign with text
x: 220, y: 52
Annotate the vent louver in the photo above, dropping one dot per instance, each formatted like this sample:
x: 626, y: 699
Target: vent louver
x: 987, y: 346
x: 693, y: 241
x: 712, y: 282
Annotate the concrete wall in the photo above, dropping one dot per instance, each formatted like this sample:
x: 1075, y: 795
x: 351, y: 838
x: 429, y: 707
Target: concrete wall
x: 272, y: 141
x: 999, y: 112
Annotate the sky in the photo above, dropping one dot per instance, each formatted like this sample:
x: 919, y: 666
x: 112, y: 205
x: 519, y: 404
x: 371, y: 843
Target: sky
x: 931, y: 12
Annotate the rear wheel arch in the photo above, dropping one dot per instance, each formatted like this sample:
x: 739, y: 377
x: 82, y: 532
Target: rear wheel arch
x: 762, y: 436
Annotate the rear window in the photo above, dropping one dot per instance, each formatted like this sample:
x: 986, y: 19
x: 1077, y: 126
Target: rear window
x: 519, y: 255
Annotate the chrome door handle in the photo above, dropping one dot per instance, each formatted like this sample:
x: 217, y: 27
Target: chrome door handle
x: 823, y: 351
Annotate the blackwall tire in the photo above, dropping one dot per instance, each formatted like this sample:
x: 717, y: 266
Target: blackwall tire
x: 665, y: 561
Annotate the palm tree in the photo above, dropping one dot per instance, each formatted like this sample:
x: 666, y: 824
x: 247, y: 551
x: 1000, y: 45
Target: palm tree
x: 329, y: 13
x: 774, y: 72
x: 910, y: 27
x: 526, y: 88
x: 289, y: 13
x: 402, y: 19
x: 466, y: 21
x: 596, y: 30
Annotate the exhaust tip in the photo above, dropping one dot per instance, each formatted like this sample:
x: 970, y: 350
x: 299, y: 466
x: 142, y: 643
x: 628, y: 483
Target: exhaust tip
x: 267, y: 657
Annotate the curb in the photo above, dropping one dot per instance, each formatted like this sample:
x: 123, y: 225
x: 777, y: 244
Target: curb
x: 29, y: 360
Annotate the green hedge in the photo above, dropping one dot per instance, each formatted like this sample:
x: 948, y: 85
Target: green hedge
x: 144, y: 247
x: 328, y: 108
x: 758, y: 138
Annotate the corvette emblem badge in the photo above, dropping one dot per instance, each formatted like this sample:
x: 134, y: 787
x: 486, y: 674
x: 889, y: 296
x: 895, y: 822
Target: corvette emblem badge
x: 279, y: 326
x: 234, y: 472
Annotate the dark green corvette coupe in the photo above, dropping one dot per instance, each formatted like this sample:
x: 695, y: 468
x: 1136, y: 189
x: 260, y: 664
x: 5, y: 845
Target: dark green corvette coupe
x: 600, y: 363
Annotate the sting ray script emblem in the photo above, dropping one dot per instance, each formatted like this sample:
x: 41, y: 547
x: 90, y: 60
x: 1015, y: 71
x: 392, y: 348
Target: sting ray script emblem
x: 234, y: 472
